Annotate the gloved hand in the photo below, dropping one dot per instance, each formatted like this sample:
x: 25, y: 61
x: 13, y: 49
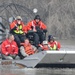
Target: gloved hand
x: 15, y: 27
x: 45, y: 30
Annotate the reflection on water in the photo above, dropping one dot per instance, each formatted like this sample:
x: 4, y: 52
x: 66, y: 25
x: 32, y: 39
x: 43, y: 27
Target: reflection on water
x: 42, y: 71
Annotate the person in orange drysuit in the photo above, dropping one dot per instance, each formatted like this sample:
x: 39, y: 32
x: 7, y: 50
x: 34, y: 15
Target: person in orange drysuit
x: 39, y: 29
x: 18, y: 29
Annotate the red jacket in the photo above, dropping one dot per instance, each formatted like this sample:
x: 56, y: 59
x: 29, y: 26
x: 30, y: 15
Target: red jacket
x: 9, y: 48
x: 55, y: 43
x: 34, y: 24
x: 13, y: 24
x: 44, y: 47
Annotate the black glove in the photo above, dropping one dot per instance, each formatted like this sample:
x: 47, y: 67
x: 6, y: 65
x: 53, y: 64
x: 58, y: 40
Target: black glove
x: 45, y: 30
x: 11, y: 31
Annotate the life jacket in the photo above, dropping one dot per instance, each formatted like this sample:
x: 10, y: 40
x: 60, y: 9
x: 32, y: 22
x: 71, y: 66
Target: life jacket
x: 19, y: 31
x: 44, y: 48
x: 21, y: 28
x: 9, y: 48
x: 35, y: 26
x: 28, y: 49
x: 53, y: 46
x: 58, y: 45
x: 32, y: 25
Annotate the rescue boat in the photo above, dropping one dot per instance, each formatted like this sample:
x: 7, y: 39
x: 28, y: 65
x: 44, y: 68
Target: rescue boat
x: 45, y: 58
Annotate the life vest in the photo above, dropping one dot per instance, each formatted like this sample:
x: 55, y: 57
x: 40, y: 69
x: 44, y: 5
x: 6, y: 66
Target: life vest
x: 40, y: 25
x: 44, y: 47
x: 19, y: 31
x: 58, y: 45
x: 9, y: 48
x: 53, y: 46
x: 28, y: 49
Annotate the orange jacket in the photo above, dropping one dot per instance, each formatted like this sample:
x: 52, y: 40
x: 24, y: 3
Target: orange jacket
x: 44, y: 48
x: 28, y: 49
x: 9, y: 48
x: 34, y: 24
x: 14, y: 23
x: 55, y: 43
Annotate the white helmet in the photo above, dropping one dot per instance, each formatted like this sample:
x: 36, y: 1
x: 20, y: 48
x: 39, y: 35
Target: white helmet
x: 45, y: 42
x: 19, y: 17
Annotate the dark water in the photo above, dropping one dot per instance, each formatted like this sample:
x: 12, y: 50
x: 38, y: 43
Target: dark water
x: 42, y: 71
x: 66, y: 44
